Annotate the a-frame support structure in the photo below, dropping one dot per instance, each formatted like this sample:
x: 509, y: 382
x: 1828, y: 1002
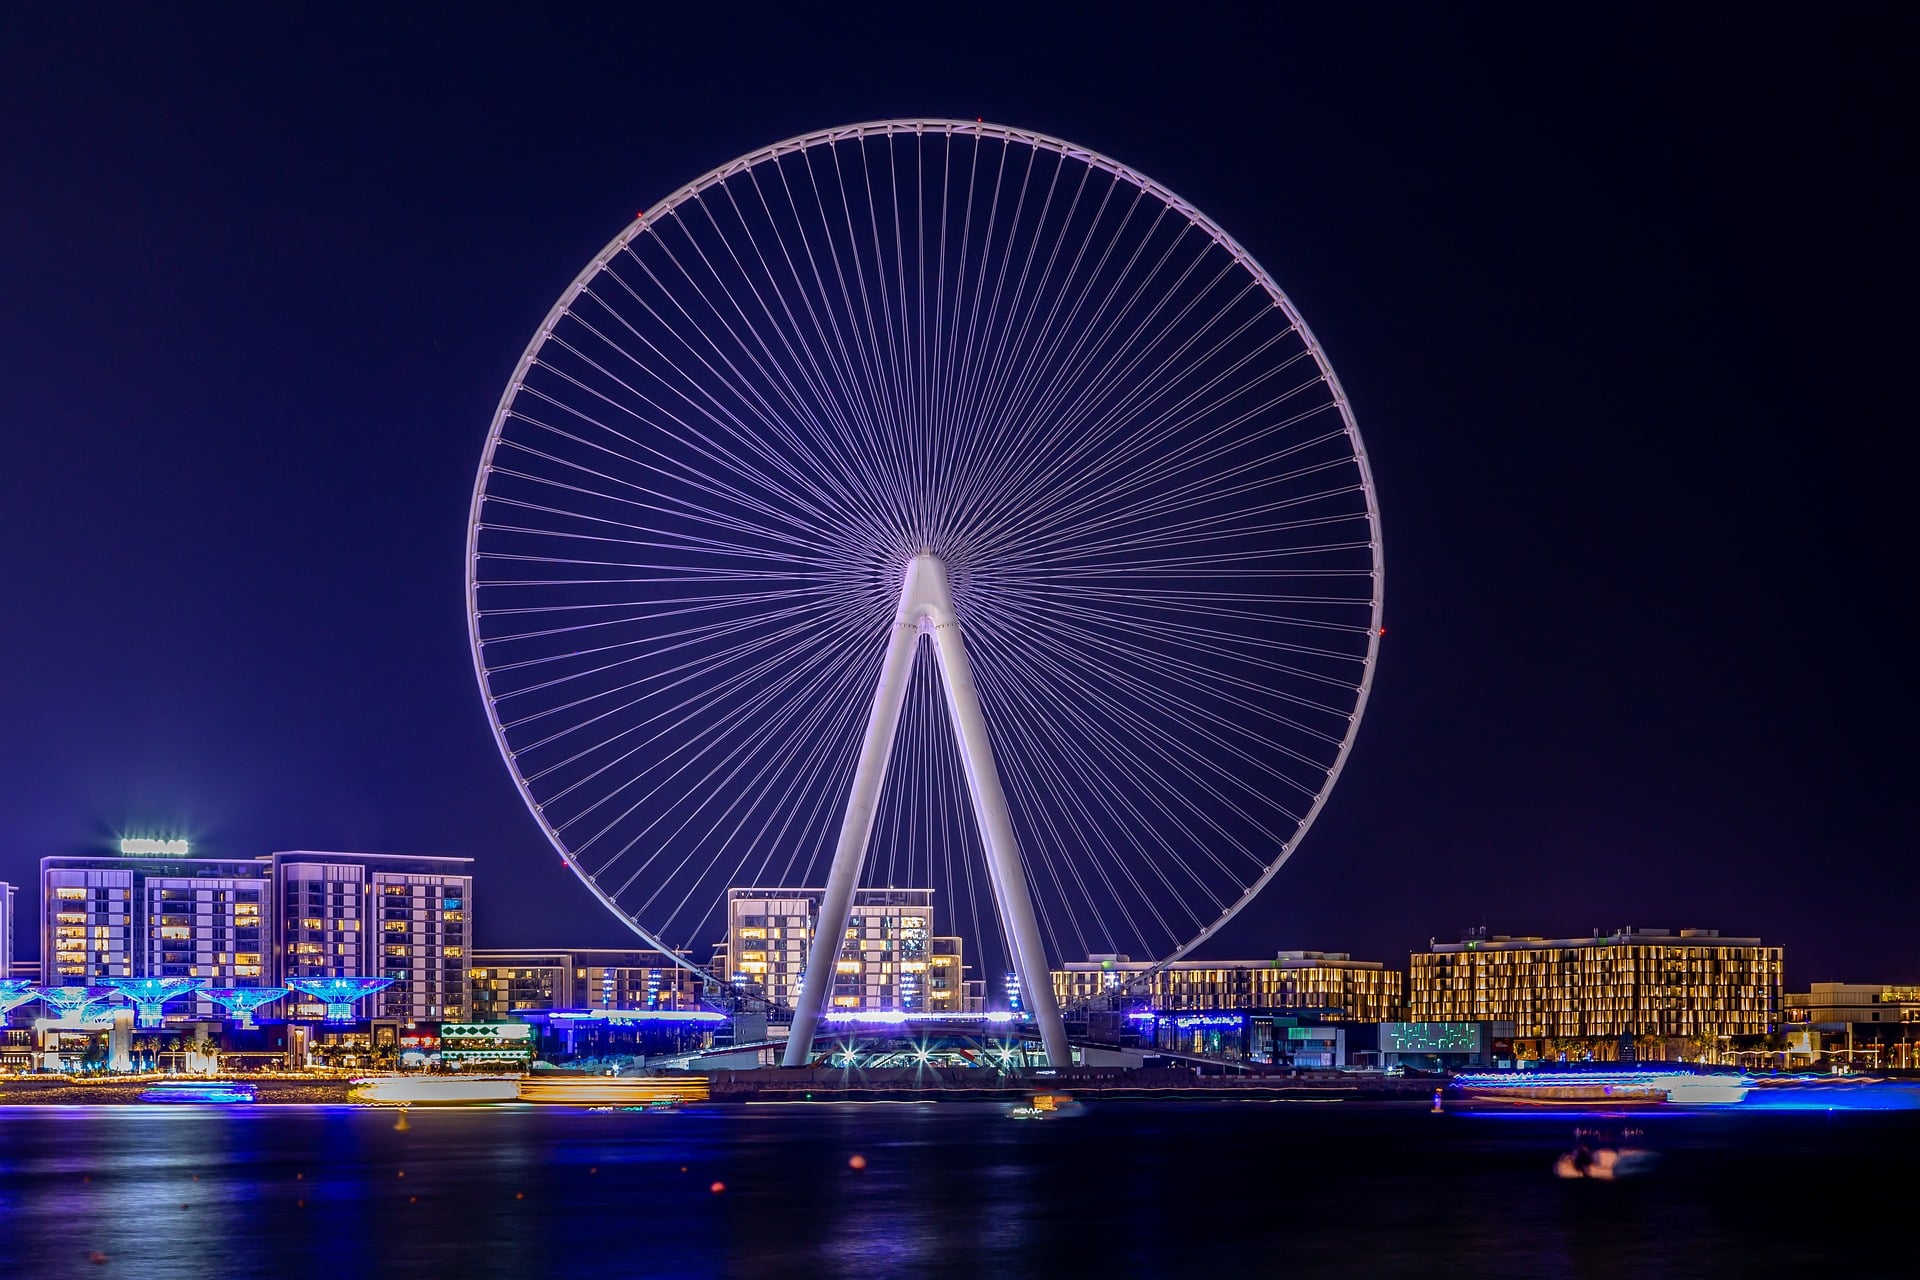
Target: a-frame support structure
x: 926, y: 608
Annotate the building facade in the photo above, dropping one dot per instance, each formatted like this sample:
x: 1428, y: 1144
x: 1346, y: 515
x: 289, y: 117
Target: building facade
x: 139, y: 917
x: 1692, y: 986
x: 1872, y: 1026
x: 256, y: 922
x: 1351, y: 990
x: 505, y: 983
x: 892, y: 958
x: 372, y: 915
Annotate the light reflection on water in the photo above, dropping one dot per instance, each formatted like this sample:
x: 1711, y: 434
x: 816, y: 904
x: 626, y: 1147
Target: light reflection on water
x: 1197, y: 1189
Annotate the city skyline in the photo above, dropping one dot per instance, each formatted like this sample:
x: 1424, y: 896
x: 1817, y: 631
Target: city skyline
x: 1606, y: 693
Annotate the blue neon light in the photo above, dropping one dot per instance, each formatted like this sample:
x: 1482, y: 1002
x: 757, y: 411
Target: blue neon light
x: 240, y: 1002
x: 339, y: 994
x: 150, y: 995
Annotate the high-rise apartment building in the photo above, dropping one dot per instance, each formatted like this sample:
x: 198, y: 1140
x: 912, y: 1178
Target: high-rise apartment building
x: 509, y: 982
x: 256, y: 922
x: 373, y: 915
x: 148, y: 917
x: 890, y: 959
x: 1631, y: 983
x: 1359, y: 990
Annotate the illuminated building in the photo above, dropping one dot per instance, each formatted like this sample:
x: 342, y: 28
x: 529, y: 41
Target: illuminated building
x: 1359, y: 990
x: 1873, y: 1026
x: 155, y: 917
x: 891, y: 958
x: 1695, y: 986
x: 362, y: 915
x: 486, y: 1046
x: 510, y: 982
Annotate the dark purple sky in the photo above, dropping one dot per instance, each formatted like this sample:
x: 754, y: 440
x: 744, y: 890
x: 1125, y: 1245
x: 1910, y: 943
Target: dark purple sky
x: 1620, y: 308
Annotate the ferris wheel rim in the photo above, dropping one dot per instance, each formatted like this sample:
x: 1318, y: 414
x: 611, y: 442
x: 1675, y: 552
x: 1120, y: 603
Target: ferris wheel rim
x: 648, y: 218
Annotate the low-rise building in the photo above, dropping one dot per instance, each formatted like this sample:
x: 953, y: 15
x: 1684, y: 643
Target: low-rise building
x: 1357, y: 990
x: 509, y: 982
x: 1631, y: 986
x: 1872, y: 1026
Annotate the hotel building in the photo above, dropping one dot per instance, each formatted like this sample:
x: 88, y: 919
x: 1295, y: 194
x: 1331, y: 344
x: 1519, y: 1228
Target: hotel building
x: 1357, y: 990
x: 890, y: 960
x: 509, y: 982
x: 1693, y: 985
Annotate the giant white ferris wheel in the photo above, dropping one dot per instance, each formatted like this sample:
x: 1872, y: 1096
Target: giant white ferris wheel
x: 926, y: 380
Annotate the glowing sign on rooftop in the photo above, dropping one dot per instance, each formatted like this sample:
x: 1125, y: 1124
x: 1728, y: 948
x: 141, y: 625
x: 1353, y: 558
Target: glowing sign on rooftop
x: 170, y: 848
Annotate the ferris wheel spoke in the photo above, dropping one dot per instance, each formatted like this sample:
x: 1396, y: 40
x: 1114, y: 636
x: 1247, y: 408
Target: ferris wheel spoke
x: 1033, y: 759
x: 660, y: 723
x: 737, y: 737
x: 1067, y: 374
x: 699, y: 740
x: 717, y: 415
x: 842, y: 465
x: 1045, y: 347
x: 1160, y: 668
x: 1074, y: 482
x: 1144, y: 732
x: 855, y: 354
x: 748, y: 797
x: 1047, y: 748
x: 801, y: 623
x: 1090, y: 388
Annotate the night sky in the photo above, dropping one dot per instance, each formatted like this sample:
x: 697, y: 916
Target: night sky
x: 1620, y: 308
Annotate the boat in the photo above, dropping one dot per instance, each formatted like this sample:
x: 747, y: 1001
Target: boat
x: 203, y: 1092
x: 1041, y: 1105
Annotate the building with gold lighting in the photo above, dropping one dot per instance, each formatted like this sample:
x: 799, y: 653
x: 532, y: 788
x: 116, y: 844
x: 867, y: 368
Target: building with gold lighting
x: 1356, y: 990
x: 1633, y: 984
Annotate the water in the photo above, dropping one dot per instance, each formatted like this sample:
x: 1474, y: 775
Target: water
x: 1203, y: 1189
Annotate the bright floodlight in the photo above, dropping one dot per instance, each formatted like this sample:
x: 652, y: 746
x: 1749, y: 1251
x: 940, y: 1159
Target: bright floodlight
x: 76, y: 1004
x: 240, y: 1002
x: 339, y: 994
x: 942, y: 380
x: 150, y: 995
x: 15, y: 992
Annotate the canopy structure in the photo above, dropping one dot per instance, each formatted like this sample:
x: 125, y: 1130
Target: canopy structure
x: 339, y: 994
x: 151, y: 995
x: 241, y: 1002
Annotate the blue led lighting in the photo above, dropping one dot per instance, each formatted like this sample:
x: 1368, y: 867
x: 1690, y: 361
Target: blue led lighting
x: 15, y: 992
x: 217, y: 1092
x: 895, y: 1018
x: 339, y: 994
x: 240, y: 1002
x: 80, y: 1004
x: 150, y: 995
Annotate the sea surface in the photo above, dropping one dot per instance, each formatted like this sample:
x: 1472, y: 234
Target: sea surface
x: 1200, y: 1189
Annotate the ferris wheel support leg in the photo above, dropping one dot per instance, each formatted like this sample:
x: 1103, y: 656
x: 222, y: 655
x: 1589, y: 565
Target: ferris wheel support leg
x: 1004, y: 865
x: 836, y: 904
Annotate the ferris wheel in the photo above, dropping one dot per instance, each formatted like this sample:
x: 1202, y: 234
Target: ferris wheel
x: 941, y: 381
